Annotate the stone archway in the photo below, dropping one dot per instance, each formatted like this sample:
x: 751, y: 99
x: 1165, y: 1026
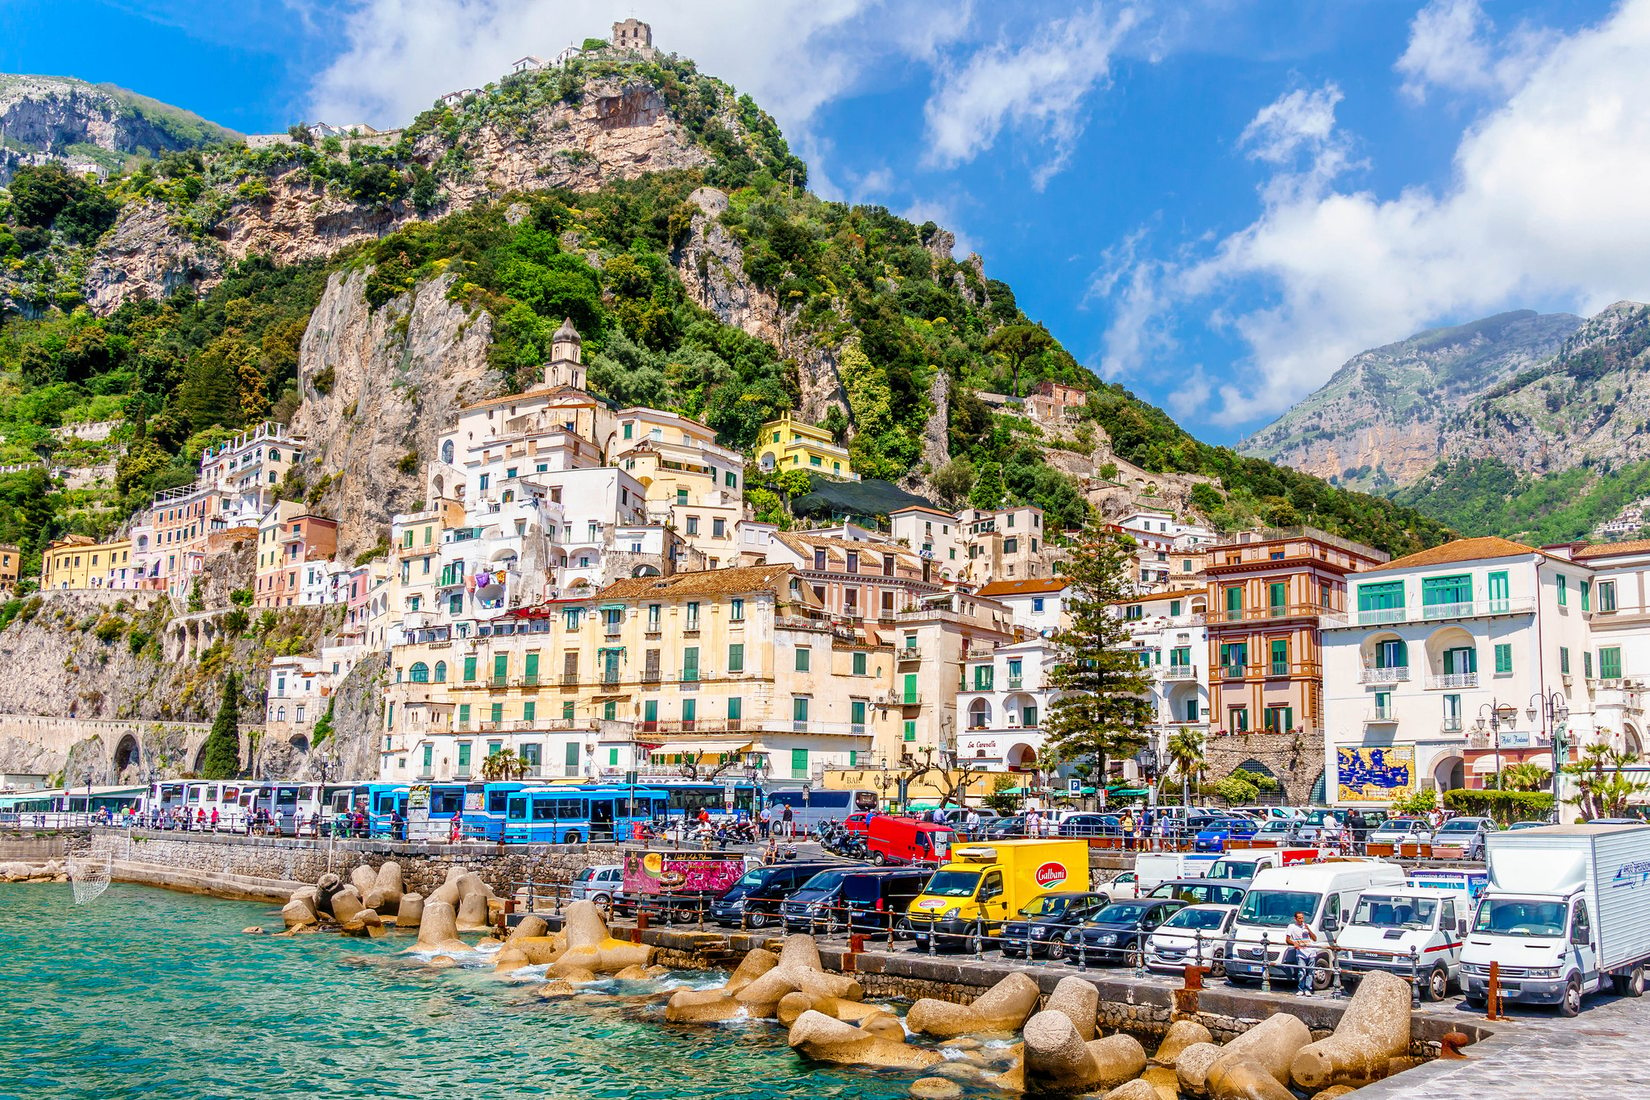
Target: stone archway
x: 128, y: 754
x: 200, y: 759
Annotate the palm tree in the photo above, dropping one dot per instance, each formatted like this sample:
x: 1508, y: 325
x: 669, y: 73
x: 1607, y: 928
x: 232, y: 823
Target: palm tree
x: 1525, y: 777
x: 1185, y: 750
x: 503, y: 766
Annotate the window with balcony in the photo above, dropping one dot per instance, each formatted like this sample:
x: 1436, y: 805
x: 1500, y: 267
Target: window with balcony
x: 529, y: 711
x: 736, y: 711
x: 799, y: 711
x: 464, y: 716
x: 1277, y: 598
x: 983, y: 676
x: 1280, y: 656
x: 1383, y: 706
x: 1237, y: 719
x: 1497, y: 590
x: 1233, y: 657
x: 1278, y: 719
x: 690, y: 713
x: 1016, y: 675
x: 856, y: 716
x: 1134, y: 612
x: 1381, y: 602
x: 1446, y: 597
x: 1234, y: 603
x: 1452, y: 713
x: 419, y: 673
x: 690, y: 663
x: 653, y: 618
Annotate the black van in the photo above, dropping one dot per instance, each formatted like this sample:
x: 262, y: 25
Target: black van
x: 753, y: 901
x: 876, y: 900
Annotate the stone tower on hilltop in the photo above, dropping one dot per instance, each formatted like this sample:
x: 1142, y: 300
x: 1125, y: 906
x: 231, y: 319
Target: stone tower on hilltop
x: 634, y: 36
x: 566, y: 365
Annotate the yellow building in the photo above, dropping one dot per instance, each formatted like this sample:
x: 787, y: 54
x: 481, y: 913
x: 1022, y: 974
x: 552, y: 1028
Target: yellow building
x: 76, y: 561
x: 790, y: 444
x: 11, y: 564
x: 668, y: 675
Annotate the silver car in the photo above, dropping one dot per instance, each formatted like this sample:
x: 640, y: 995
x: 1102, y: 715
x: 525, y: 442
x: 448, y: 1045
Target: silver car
x: 599, y: 884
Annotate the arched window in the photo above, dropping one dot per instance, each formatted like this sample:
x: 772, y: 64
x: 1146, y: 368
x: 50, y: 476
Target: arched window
x: 447, y: 451
x: 420, y: 673
x: 280, y: 714
x: 441, y: 672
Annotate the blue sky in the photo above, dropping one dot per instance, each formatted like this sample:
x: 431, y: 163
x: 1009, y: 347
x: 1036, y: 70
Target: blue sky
x: 1211, y: 201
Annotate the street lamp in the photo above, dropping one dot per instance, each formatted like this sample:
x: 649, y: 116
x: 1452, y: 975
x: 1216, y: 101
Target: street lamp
x: 1555, y: 711
x: 1147, y: 759
x: 1494, y: 709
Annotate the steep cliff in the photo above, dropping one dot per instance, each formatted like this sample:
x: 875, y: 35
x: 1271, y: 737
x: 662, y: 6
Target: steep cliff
x: 90, y: 127
x: 378, y: 387
x: 1383, y: 419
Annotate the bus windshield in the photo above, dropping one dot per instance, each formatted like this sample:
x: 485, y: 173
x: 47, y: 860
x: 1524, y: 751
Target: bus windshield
x: 1519, y: 917
x: 1277, y: 908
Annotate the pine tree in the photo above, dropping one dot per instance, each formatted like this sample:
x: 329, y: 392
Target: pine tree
x: 1104, y: 709
x: 223, y: 744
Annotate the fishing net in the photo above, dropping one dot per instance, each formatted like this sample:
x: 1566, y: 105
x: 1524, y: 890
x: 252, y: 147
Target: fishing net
x: 89, y: 871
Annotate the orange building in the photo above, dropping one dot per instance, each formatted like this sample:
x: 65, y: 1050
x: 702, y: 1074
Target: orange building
x: 1268, y: 592
x: 11, y: 566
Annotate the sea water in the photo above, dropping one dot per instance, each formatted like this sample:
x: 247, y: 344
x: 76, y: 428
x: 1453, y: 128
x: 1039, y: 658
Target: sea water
x: 152, y: 994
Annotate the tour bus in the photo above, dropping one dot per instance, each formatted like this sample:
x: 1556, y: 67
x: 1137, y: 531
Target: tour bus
x: 487, y: 823
x: 288, y: 803
x: 814, y: 807
x: 383, y: 799
x: 232, y: 799
x: 686, y: 798
x: 569, y: 815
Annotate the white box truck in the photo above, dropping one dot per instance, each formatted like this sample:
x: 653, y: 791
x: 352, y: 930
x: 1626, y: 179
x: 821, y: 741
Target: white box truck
x: 1567, y: 907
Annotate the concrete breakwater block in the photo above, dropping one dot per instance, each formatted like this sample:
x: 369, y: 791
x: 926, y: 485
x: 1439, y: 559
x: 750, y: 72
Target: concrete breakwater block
x: 384, y: 895
x: 438, y: 931
x: 410, y: 912
x: 817, y: 1036
x: 1374, y: 1029
x: 1003, y: 1007
x: 1057, y: 1059
x: 1079, y: 1001
x: 1181, y: 1034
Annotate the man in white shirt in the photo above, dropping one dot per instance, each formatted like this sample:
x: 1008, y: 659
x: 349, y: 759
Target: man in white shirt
x: 1299, y: 952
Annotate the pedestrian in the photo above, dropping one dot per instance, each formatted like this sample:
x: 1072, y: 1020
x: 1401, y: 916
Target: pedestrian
x: 764, y: 822
x: 1127, y: 825
x: 1159, y: 827
x: 457, y: 832
x: 789, y: 819
x: 973, y: 821
x: 1034, y: 823
x: 214, y: 819
x: 1299, y: 953
x: 1359, y: 827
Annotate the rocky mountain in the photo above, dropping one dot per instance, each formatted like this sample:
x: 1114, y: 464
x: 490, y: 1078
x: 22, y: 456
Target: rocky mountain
x: 90, y: 127
x: 1387, y: 415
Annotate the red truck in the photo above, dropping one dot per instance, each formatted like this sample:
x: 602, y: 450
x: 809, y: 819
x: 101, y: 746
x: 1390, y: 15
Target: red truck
x: 897, y: 840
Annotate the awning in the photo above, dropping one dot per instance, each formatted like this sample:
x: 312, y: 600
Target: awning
x: 669, y: 746
x: 1541, y: 760
x: 1484, y: 765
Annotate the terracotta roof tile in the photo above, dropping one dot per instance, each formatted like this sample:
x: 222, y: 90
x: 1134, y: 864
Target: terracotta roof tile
x: 1030, y: 586
x: 708, y: 582
x: 1608, y: 549
x: 1458, y: 550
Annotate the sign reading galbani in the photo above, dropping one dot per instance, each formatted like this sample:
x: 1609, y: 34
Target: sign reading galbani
x: 1051, y: 874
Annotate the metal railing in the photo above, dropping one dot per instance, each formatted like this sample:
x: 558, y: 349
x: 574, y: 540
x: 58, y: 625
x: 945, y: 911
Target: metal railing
x: 1393, y: 675
x: 1453, y: 680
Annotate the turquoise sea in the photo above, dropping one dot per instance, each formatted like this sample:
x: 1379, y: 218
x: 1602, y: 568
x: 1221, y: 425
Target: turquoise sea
x: 152, y: 994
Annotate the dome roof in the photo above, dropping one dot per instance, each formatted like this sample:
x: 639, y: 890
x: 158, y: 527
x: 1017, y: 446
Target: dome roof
x: 567, y: 331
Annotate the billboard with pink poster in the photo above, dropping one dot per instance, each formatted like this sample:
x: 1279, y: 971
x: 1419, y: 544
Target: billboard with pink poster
x: 656, y: 872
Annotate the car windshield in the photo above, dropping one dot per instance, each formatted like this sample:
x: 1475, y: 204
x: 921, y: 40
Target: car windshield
x: 825, y: 882
x: 1276, y: 908
x: 1230, y: 868
x: 952, y: 884
x: 1277, y: 825
x: 1048, y: 905
x: 1385, y: 911
x: 1459, y: 826
x: 1206, y: 920
x: 1120, y: 914
x: 1515, y: 917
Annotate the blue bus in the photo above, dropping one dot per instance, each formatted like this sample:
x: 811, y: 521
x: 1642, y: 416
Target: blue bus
x: 687, y: 798
x: 569, y: 815
x: 487, y: 823
x: 383, y: 799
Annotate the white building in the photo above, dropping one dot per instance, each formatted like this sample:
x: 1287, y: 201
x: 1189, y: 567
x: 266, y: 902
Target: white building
x: 1618, y: 613
x: 1167, y: 631
x: 1037, y: 603
x: 1002, y: 704
x: 1475, y: 631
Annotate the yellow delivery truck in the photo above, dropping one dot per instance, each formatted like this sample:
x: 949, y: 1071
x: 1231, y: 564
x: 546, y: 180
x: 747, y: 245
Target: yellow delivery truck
x: 982, y: 886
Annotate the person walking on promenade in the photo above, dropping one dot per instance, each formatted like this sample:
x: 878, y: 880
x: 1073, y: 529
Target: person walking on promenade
x: 1359, y: 827
x: 214, y: 819
x: 789, y: 819
x: 1127, y: 825
x: 457, y: 833
x: 764, y: 823
x: 1299, y: 953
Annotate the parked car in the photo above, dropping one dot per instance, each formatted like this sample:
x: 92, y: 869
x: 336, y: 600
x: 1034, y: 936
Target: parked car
x: 1004, y: 828
x: 754, y: 900
x: 856, y: 823
x: 1117, y: 934
x: 1194, y: 936
x: 1121, y: 886
x: 599, y: 884
x: 1092, y: 825
x: 1403, y: 830
x: 1202, y: 891
x: 1284, y: 832
x: 1465, y: 834
x: 1216, y: 831
x: 816, y: 906
x: 1047, y: 919
x: 876, y: 899
x: 1528, y: 825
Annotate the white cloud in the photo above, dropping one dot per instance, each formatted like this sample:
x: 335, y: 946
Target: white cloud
x: 1035, y: 82
x: 1296, y: 134
x: 1451, y: 48
x: 1546, y: 205
x: 791, y: 55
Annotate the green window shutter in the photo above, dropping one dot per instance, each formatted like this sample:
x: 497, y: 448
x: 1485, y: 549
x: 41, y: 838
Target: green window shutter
x: 532, y: 669
x: 690, y: 710
x: 690, y: 663
x: 463, y: 754
x: 799, y: 708
x: 856, y: 712
x: 799, y: 763
x: 853, y: 754
x: 983, y: 677
x: 610, y: 711
x: 910, y: 729
x: 736, y: 708
x: 1587, y: 664
x: 1280, y: 657
x: 736, y: 657
x: 1563, y: 591
x: 804, y: 658
x: 1277, y: 596
x: 859, y: 664
x: 501, y: 666
x: 497, y: 712
x: 529, y: 711
x: 612, y: 758
x: 567, y: 710
x: 910, y: 693
x: 1609, y: 663
x: 1442, y: 597
x: 1498, y: 590
x: 1234, y: 602
x: 572, y: 757
x: 469, y: 670
x: 429, y: 752
x: 650, y: 710
x: 1503, y: 657
x: 1564, y: 659
x: 463, y: 714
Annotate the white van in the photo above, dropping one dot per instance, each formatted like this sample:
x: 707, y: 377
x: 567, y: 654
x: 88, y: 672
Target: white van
x: 1414, y: 932
x: 1326, y: 892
